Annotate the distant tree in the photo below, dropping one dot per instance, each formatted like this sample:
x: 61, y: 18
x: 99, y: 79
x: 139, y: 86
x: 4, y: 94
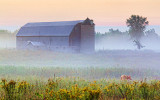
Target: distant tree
x: 114, y: 32
x: 110, y: 33
x: 137, y: 25
x: 98, y: 34
x: 138, y: 44
x: 151, y: 33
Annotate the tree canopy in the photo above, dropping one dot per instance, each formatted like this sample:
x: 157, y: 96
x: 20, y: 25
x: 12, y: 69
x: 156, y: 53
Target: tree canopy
x: 137, y: 25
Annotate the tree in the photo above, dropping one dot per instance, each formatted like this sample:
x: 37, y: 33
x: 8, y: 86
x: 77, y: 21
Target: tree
x: 137, y: 25
x: 138, y: 44
x: 151, y: 33
x: 114, y: 32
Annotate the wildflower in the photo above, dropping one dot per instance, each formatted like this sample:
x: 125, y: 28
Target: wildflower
x: 12, y: 82
x: 143, y: 85
x: 4, y: 80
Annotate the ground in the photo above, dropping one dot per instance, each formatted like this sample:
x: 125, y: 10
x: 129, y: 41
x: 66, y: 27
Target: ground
x: 51, y: 75
x: 116, y: 58
x: 102, y: 64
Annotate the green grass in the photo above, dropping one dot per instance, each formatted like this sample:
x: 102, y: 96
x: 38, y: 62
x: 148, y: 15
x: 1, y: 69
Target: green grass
x: 103, y: 64
x: 90, y: 73
x: 71, y: 74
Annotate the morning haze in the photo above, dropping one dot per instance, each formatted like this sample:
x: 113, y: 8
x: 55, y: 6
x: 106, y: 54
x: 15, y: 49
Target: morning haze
x: 80, y: 49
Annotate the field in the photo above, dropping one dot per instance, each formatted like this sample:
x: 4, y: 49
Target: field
x: 49, y: 75
x: 111, y: 58
x: 78, y: 89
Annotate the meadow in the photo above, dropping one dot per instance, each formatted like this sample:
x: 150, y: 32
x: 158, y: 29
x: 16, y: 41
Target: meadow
x: 47, y: 75
x: 109, y: 58
x: 59, y: 88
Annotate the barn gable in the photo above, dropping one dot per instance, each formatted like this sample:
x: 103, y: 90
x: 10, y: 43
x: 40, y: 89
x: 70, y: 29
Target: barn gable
x: 63, y: 28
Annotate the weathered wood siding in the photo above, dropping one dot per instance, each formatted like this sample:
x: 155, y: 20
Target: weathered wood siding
x: 87, y: 38
x: 48, y: 41
x: 79, y: 37
x: 75, y: 37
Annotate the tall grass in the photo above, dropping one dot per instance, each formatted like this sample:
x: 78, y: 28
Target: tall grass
x: 90, y: 73
x: 79, y: 89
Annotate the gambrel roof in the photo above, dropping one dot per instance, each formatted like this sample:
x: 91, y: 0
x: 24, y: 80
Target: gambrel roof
x: 62, y: 28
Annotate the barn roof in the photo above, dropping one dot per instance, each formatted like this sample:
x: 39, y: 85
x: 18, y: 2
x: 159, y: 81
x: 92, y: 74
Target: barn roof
x: 63, y: 28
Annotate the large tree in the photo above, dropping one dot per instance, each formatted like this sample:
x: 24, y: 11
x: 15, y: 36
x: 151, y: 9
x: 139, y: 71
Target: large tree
x: 137, y: 25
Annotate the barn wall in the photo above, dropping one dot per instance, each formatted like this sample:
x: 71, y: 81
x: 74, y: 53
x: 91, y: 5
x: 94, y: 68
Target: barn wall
x: 74, y: 38
x: 20, y: 44
x: 48, y: 41
x: 87, y: 38
x: 59, y: 41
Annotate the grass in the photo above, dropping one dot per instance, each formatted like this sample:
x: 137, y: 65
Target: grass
x: 59, y: 88
x: 103, y: 64
x: 48, y: 75
x: 89, y: 73
x: 126, y: 58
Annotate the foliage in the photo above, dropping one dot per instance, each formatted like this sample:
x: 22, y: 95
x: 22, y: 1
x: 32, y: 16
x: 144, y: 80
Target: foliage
x: 137, y: 25
x: 151, y: 33
x: 90, y: 73
x: 60, y: 88
x: 6, y: 33
x: 111, y: 32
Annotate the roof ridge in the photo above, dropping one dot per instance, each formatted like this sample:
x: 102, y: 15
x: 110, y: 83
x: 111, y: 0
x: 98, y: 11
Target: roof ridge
x: 58, y: 23
x: 55, y: 21
x: 49, y: 26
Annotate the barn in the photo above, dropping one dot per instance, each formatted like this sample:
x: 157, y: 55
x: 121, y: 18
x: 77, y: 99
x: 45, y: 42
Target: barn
x: 66, y: 36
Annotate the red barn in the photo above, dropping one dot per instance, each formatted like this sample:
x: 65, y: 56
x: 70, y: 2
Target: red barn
x: 67, y: 36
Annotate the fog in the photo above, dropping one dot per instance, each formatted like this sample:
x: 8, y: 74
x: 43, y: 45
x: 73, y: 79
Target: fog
x: 105, y: 43
x: 124, y: 42
x: 152, y: 43
x: 111, y: 51
x: 114, y: 43
x: 103, y: 29
x: 7, y: 42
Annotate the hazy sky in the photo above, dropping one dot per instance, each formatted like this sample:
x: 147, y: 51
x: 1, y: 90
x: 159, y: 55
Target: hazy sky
x: 103, y: 12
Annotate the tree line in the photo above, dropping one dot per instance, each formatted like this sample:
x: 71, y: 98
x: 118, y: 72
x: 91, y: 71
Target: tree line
x: 137, y: 29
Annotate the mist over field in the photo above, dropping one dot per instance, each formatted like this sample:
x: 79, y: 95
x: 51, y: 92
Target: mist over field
x: 7, y: 39
x: 112, y: 53
x: 107, y: 43
x: 116, y: 62
x: 124, y: 42
x: 7, y: 42
x: 103, y: 29
x: 115, y: 39
x: 115, y: 50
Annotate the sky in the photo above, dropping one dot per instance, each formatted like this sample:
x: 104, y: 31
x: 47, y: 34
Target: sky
x: 103, y: 12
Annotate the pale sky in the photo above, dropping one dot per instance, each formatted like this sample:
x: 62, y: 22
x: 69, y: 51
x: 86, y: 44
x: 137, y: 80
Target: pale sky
x: 103, y: 12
